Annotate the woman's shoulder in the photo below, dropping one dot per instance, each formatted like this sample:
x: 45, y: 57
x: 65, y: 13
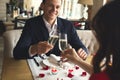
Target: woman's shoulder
x: 99, y: 76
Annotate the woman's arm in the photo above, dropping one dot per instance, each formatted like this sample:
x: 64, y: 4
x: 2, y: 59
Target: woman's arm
x: 72, y: 55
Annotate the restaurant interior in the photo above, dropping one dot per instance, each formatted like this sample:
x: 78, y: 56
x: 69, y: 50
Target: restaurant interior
x: 13, y: 15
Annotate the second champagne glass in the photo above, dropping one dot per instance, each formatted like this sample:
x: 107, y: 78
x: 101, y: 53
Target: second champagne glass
x: 63, y: 43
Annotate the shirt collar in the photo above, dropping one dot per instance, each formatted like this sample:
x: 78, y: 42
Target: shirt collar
x: 48, y: 26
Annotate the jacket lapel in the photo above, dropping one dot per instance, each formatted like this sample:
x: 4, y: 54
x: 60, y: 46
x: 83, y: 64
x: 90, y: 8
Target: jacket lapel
x: 43, y: 28
x: 60, y: 25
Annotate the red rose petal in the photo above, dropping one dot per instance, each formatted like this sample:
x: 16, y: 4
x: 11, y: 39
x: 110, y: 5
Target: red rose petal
x: 83, y: 74
x: 77, y: 67
x: 41, y: 75
x: 70, y: 75
x: 45, y: 67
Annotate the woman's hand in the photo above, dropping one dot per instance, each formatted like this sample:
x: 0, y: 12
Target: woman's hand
x: 71, y: 55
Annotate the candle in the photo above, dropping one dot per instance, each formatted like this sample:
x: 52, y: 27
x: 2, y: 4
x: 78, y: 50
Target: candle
x: 70, y: 70
x: 54, y: 71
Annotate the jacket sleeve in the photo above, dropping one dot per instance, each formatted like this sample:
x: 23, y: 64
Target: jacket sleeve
x: 21, y: 50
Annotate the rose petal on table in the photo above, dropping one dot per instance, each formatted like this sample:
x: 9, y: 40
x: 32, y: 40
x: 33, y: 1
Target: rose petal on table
x: 77, y: 67
x: 45, y: 68
x: 70, y: 75
x: 83, y: 74
x: 41, y: 75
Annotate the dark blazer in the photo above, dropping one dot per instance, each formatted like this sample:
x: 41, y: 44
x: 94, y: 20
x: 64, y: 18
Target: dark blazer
x: 35, y: 31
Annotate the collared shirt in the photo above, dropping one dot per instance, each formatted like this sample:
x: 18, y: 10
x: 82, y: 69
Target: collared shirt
x: 50, y: 27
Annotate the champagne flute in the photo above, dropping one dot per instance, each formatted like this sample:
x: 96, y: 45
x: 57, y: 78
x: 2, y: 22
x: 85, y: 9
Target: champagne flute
x: 53, y: 38
x: 63, y: 43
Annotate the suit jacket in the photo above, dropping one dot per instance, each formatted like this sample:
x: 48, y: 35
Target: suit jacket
x: 35, y: 31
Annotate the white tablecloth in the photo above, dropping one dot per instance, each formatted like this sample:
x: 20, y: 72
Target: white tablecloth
x: 61, y: 75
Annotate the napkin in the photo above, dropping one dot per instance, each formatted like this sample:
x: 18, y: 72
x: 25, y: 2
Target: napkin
x: 54, y: 59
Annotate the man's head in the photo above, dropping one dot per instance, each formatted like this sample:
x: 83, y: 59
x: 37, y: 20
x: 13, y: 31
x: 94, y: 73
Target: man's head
x: 51, y: 9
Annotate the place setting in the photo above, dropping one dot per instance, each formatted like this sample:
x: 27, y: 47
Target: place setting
x: 53, y: 68
x: 50, y: 69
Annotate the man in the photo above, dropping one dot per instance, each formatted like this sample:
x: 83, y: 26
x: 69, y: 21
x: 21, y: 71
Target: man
x: 33, y: 40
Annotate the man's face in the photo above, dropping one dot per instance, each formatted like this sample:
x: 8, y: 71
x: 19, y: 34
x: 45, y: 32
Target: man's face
x: 51, y: 9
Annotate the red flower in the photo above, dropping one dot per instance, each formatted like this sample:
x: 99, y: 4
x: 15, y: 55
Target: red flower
x: 41, y: 75
x: 70, y: 75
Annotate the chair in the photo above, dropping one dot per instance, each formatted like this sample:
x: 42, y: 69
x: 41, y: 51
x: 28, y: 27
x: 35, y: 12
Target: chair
x: 11, y: 38
x: 88, y: 40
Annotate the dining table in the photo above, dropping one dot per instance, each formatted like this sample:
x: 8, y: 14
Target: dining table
x: 51, y: 68
x: 13, y: 69
x: 27, y: 69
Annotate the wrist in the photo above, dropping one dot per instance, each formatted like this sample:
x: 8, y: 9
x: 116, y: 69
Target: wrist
x: 33, y: 49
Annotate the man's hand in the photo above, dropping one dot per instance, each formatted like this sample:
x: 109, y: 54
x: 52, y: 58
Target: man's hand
x: 44, y: 47
x: 41, y: 47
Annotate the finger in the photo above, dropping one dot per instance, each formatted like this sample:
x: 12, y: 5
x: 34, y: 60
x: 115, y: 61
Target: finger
x: 80, y: 50
x: 69, y: 46
x: 64, y: 59
x: 82, y: 54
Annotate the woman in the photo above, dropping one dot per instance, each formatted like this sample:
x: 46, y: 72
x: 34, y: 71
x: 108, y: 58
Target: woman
x: 106, y: 26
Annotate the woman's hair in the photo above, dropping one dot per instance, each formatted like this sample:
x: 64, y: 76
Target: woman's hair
x: 106, y: 25
x: 43, y: 1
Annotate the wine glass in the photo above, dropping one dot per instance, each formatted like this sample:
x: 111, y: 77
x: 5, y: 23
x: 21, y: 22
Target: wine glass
x: 63, y: 43
x: 53, y: 38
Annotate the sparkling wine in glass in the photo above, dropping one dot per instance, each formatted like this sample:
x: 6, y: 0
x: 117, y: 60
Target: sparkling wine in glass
x: 53, y: 38
x: 63, y: 43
